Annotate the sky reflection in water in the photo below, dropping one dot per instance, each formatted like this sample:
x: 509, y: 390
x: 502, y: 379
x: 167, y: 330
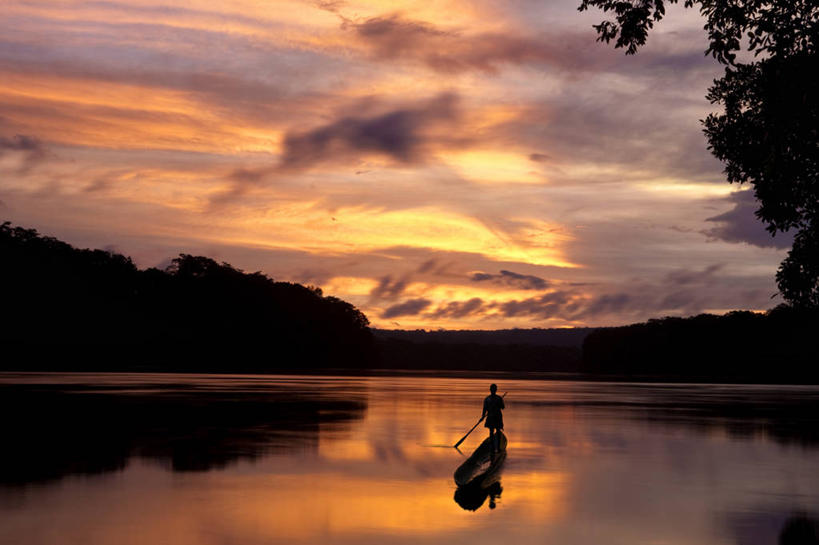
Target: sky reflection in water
x: 183, y: 459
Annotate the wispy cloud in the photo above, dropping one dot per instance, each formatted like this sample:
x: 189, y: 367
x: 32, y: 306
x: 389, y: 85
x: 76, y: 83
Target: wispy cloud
x: 30, y: 149
x: 396, y: 37
x: 512, y: 279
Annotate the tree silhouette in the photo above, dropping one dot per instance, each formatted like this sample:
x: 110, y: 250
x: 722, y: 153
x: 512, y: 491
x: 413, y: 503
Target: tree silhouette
x: 768, y: 132
x: 66, y: 308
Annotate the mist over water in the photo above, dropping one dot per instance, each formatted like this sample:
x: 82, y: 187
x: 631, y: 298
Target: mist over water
x: 217, y: 459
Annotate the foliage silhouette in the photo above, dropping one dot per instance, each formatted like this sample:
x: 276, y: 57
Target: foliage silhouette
x: 66, y: 308
x: 800, y: 530
x: 519, y: 350
x: 768, y: 131
x: 779, y: 346
x: 401, y: 353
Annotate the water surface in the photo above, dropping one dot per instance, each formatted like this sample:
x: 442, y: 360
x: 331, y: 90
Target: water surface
x: 117, y: 459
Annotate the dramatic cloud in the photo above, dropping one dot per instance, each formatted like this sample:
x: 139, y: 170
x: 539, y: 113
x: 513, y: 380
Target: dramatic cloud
x: 513, y: 280
x: 740, y: 224
x: 403, y: 135
x: 455, y: 165
x: 409, y: 307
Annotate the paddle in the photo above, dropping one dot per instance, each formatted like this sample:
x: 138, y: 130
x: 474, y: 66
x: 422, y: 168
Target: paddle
x: 458, y: 444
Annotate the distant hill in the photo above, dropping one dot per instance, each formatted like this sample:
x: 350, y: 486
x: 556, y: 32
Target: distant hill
x: 573, y: 337
x: 525, y: 350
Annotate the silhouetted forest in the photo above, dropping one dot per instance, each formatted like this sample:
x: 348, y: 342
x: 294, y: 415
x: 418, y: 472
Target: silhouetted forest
x: 525, y: 350
x: 398, y: 353
x: 66, y: 308
x: 781, y: 345
x: 566, y: 337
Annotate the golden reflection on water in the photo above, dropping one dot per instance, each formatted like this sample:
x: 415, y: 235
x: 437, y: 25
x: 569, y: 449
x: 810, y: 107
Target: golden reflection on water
x: 574, y: 473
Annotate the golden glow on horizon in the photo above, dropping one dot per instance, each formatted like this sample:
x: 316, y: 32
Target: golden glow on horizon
x: 360, y: 229
x: 493, y: 167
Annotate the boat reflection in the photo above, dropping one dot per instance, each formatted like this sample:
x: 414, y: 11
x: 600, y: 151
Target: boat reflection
x: 478, y: 478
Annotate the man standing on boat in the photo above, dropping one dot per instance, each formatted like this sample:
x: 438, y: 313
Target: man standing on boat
x: 492, y: 407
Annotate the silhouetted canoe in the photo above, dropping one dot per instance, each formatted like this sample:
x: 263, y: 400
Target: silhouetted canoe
x: 481, y: 463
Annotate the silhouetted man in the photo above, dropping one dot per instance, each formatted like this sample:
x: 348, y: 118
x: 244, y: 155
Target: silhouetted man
x: 492, y: 407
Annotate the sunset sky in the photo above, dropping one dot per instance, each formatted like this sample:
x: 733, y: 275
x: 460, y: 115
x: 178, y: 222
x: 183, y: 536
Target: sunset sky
x: 448, y: 163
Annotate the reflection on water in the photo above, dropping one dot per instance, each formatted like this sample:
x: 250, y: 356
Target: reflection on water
x: 186, y: 459
x: 62, y: 426
x: 478, y: 477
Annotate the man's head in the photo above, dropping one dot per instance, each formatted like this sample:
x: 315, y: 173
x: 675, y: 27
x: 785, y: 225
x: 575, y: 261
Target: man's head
x: 493, y: 388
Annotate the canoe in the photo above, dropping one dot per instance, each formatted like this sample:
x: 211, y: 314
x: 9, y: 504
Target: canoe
x: 482, y: 462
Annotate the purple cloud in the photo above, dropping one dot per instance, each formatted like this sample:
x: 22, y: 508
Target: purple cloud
x: 740, y: 224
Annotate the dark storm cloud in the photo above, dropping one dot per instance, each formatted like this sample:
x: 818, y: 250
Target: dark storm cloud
x: 409, y: 307
x: 396, y: 37
x: 401, y: 135
x: 740, y: 224
x: 512, y: 279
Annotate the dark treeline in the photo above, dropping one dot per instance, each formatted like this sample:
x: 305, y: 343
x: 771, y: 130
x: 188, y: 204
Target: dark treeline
x: 566, y: 337
x: 781, y: 345
x: 396, y: 353
x: 66, y: 308
x: 541, y: 350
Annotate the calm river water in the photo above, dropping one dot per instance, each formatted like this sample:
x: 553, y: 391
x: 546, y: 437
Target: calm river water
x: 118, y: 459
